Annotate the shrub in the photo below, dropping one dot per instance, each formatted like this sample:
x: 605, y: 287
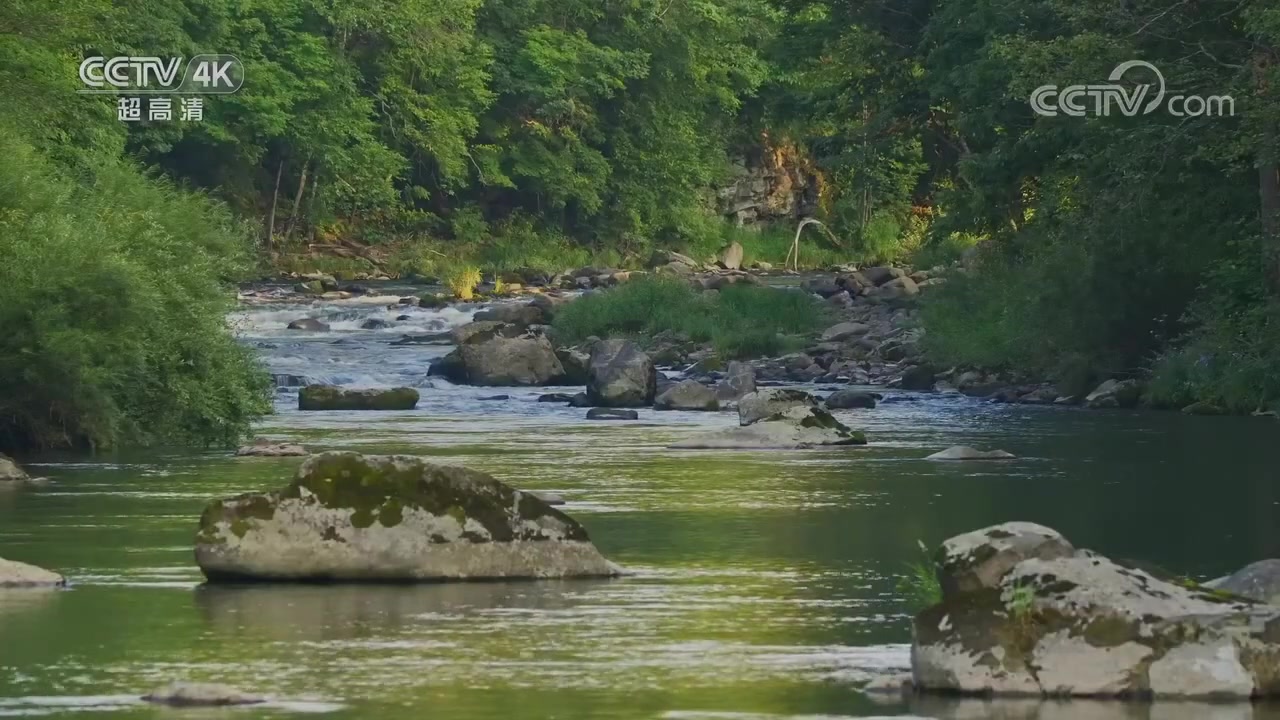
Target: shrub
x: 113, y: 311
x: 740, y: 320
x: 462, y: 281
x: 920, y: 585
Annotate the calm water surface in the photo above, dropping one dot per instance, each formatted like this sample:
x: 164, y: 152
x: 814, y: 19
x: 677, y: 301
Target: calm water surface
x: 764, y: 582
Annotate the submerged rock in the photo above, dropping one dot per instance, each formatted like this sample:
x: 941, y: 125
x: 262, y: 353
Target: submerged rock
x: 265, y: 448
x: 1023, y: 612
x: 620, y: 374
x: 353, y: 517
x: 332, y: 397
x: 612, y: 414
x: 184, y: 694
x: 687, y: 395
x: 14, y: 574
x: 792, y: 429
x: 962, y: 452
x: 308, y: 325
x: 771, y: 401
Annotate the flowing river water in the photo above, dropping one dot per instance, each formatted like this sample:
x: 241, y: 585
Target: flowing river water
x: 764, y: 586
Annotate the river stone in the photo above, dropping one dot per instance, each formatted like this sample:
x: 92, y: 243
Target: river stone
x: 10, y: 472
x: 962, y: 452
x: 1114, y: 394
x: 795, y: 428
x: 482, y: 331
x: 1023, y: 612
x: 1258, y: 581
x: 600, y: 413
x: 771, y: 401
x: 14, y: 574
x: 849, y: 399
x: 731, y: 256
x: 845, y: 331
x: 332, y: 397
x: 687, y: 395
x: 184, y: 694
x: 449, y: 367
x: 519, y: 361
x: 918, y: 377
x: 576, y: 364
x: 309, y: 325
x: 620, y: 375
x: 353, y: 517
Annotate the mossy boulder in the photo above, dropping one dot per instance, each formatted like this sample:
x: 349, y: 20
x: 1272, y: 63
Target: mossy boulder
x: 332, y: 397
x: 1024, y: 612
x: 353, y: 517
x: 761, y: 404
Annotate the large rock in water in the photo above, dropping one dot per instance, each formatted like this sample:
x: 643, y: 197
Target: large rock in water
x: 739, y: 381
x: 771, y: 401
x: 792, y: 429
x: 352, y: 517
x: 687, y: 395
x: 511, y: 361
x: 15, y: 574
x: 1023, y: 612
x: 9, y: 470
x: 620, y: 375
x: 332, y: 397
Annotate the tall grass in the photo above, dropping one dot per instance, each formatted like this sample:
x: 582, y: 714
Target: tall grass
x: 740, y: 321
x: 112, y: 310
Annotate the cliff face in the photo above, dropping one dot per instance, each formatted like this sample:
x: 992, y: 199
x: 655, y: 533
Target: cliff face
x: 771, y: 182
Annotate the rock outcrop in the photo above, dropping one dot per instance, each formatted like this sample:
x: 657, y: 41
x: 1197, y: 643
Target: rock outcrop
x: 795, y: 428
x: 332, y: 397
x: 352, y: 517
x: 1024, y: 612
x: 620, y: 374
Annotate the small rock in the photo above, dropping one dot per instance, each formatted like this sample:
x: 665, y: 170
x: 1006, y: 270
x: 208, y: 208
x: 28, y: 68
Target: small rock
x: 555, y: 398
x: 184, y: 694
x: 10, y: 472
x: 549, y: 498
x: 374, y: 324
x: 961, y: 452
x: 731, y: 257
x: 849, y: 399
x: 601, y: 413
x: 308, y: 325
x: 1203, y: 408
x: 1114, y: 394
x: 845, y: 331
x: 1258, y: 581
x: 771, y: 401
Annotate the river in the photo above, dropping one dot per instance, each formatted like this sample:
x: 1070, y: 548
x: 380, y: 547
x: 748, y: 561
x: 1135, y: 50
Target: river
x: 764, y: 586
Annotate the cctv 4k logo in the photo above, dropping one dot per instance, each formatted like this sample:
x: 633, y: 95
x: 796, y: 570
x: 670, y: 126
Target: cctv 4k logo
x: 132, y: 75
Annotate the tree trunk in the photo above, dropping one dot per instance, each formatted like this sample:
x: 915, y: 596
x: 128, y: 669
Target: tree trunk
x: 297, y: 199
x: 271, y: 219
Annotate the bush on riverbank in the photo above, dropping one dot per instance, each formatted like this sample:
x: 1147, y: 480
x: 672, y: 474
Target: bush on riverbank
x: 739, y: 321
x: 112, y: 311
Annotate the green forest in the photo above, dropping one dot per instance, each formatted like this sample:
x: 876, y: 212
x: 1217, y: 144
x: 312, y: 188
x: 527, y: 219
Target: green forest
x: 552, y: 134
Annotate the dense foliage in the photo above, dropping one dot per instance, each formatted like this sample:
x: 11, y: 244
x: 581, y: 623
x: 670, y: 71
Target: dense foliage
x: 503, y: 133
x: 740, y: 321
